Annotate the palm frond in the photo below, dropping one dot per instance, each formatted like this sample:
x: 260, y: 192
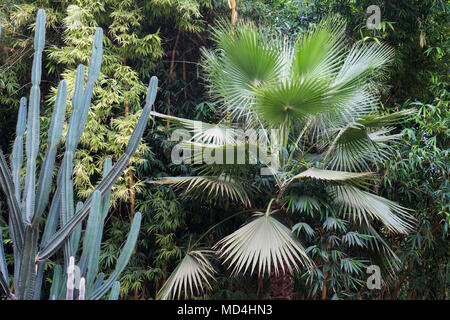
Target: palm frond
x: 191, y: 273
x: 245, y: 58
x: 360, y: 103
x: 294, y: 100
x: 264, y: 245
x: 203, y: 132
x: 358, y: 178
x: 377, y: 121
x: 211, y: 188
x: 318, y: 52
x: 381, y: 250
x: 333, y: 223
x: 354, y: 148
x: 361, y: 60
x: 364, y: 207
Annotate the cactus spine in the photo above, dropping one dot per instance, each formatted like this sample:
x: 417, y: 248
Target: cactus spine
x: 64, y: 220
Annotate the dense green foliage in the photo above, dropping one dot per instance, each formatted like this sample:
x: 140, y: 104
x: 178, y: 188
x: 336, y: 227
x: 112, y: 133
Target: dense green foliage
x: 166, y: 38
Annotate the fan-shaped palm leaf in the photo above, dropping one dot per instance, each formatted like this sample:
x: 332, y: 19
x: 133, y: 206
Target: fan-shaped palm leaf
x: 264, y: 244
x: 354, y: 148
x: 356, y: 178
x: 293, y: 100
x: 192, y: 272
x: 364, y: 207
x: 210, y: 187
x: 361, y: 60
x: 245, y: 58
x: 357, y: 105
x: 217, y: 134
x: 319, y: 51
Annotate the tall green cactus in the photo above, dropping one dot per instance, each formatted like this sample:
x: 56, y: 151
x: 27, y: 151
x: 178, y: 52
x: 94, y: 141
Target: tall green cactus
x: 63, y: 220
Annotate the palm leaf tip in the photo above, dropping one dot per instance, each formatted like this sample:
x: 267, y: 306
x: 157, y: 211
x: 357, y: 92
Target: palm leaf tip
x: 190, y: 276
x: 264, y: 244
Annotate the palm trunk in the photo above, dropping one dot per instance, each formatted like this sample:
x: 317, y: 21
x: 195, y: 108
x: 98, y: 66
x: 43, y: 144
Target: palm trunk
x: 281, y: 287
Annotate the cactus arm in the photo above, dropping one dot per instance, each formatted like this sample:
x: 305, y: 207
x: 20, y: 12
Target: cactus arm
x: 96, y: 56
x: 3, y: 269
x: 78, y: 91
x: 82, y: 290
x: 104, y: 208
x: 39, y: 278
x: 55, y: 282
x: 76, y: 235
x: 52, y: 220
x: 67, y: 198
x: 80, y: 107
x: 92, y: 225
x: 59, y: 237
x: 123, y: 259
x: 33, y: 131
x: 17, y: 153
x: 17, y: 260
x: 16, y: 224
x: 4, y: 287
x: 77, y: 97
x: 50, y: 228
x: 89, y: 242
x: 115, y: 291
x: 94, y: 240
x: 70, y: 279
x: 59, y: 112
x: 27, y: 271
x: 54, y: 136
x: 142, y: 122
x: 99, y: 280
x: 93, y: 73
x: 39, y: 34
x: 3, y: 265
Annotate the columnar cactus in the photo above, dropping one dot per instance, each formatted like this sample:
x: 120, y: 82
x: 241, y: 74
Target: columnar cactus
x: 63, y: 222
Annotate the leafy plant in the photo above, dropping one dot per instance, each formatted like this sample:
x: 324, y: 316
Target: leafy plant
x: 319, y: 95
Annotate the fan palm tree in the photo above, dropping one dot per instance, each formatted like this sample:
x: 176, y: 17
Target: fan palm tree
x: 319, y: 95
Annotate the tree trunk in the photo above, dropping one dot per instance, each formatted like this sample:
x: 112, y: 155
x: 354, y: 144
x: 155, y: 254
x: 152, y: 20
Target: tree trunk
x: 281, y: 287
